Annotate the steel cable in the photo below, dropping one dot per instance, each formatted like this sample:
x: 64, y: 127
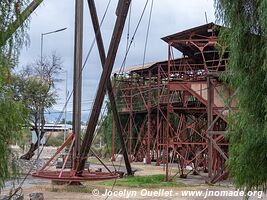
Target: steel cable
x: 61, y: 114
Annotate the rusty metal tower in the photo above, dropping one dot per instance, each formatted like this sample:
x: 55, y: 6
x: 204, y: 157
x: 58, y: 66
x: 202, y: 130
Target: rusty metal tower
x: 176, y: 110
x: 78, y: 153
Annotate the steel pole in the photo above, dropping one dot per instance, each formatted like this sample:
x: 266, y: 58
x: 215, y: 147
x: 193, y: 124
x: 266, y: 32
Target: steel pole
x: 42, y: 44
x: 40, y: 110
x: 114, y: 92
x: 168, y: 115
x: 131, y: 124
x: 148, y: 156
x: 158, y: 115
x: 77, y: 79
x: 42, y: 40
x: 209, y: 117
x: 66, y: 99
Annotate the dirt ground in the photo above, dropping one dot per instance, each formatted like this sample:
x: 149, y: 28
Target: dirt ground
x: 195, y: 185
x: 78, y: 196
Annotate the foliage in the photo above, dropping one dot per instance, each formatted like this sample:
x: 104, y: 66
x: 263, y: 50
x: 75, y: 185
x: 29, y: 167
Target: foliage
x: 12, y: 117
x: 105, y: 130
x: 26, y: 135
x: 10, y: 11
x: 55, y: 141
x: 153, y: 181
x: 63, y: 120
x: 35, y: 88
x: 105, y: 127
x: 246, y: 38
x: 12, y: 113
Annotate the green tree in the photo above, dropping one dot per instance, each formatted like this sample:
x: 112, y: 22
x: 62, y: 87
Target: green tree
x: 104, y: 129
x: 35, y: 88
x: 246, y: 37
x: 12, y: 112
x: 12, y: 119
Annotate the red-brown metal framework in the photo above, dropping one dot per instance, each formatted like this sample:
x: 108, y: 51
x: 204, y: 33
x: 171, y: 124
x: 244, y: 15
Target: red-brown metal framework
x: 69, y: 175
x: 176, y: 110
x: 78, y: 153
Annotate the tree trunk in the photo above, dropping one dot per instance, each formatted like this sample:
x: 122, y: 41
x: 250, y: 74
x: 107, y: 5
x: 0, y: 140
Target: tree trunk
x: 34, y: 147
x: 31, y: 151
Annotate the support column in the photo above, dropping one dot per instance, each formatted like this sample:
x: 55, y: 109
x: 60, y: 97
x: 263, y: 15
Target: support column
x: 113, y: 125
x: 168, y: 114
x: 158, y: 116
x: 148, y: 157
x: 210, y: 98
x: 77, y: 79
x: 131, y: 122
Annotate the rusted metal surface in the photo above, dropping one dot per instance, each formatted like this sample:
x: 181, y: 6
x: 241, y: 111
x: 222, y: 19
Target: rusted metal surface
x: 77, y: 76
x: 76, y: 155
x: 109, y: 88
x: 69, y: 175
x: 105, y: 77
x: 175, y: 114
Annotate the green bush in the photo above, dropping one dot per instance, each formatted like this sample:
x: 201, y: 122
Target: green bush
x: 55, y: 141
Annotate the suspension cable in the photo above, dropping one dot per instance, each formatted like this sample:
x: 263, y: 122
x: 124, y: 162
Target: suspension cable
x: 62, y: 112
x: 147, y: 32
x: 129, y: 28
x: 126, y: 54
x: 133, y: 37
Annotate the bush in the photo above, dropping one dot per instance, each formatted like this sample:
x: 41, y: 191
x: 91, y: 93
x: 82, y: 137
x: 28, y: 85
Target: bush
x: 55, y: 141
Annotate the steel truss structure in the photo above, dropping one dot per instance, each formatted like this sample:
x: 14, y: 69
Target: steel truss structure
x: 176, y: 111
x: 78, y: 151
x: 67, y: 173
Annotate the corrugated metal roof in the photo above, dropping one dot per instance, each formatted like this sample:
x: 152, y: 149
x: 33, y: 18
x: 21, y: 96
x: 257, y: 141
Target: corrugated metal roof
x: 135, y: 68
x: 188, y: 32
x: 203, y: 29
x: 179, y: 40
x: 143, y: 68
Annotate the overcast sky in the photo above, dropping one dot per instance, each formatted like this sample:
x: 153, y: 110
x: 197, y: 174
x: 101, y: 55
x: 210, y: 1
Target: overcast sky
x: 168, y: 17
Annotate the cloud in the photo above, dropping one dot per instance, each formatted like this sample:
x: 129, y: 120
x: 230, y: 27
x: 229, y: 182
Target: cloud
x: 168, y: 17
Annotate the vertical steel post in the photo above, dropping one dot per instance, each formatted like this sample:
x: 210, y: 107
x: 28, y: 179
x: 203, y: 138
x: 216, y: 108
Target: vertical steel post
x: 131, y: 123
x: 113, y: 124
x: 148, y: 157
x: 209, y: 116
x: 158, y: 119
x: 42, y: 44
x: 77, y: 79
x: 168, y: 114
x: 65, y: 110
